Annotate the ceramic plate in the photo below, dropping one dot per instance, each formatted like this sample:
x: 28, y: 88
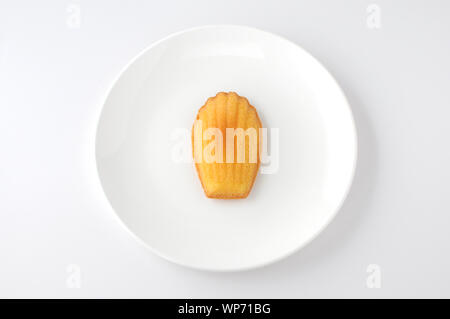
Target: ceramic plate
x: 144, y: 156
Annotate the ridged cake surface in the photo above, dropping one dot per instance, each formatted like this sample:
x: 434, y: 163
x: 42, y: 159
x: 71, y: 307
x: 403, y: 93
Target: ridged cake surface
x: 227, y: 169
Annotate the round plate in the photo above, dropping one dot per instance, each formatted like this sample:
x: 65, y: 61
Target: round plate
x: 143, y: 148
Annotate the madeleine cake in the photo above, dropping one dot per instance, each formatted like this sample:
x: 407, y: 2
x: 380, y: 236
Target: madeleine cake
x: 226, y: 142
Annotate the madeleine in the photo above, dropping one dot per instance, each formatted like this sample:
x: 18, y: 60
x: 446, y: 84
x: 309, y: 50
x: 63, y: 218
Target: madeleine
x: 226, y: 142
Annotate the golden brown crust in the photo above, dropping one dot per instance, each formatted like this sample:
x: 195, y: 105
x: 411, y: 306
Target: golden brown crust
x: 227, y: 196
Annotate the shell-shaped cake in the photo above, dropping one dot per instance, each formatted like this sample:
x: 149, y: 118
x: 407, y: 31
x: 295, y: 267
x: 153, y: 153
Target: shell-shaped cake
x: 226, y: 142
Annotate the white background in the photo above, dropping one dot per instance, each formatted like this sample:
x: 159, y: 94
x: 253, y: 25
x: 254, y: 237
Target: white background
x: 53, y: 78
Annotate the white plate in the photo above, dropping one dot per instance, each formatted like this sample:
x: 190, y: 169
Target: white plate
x: 146, y: 122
